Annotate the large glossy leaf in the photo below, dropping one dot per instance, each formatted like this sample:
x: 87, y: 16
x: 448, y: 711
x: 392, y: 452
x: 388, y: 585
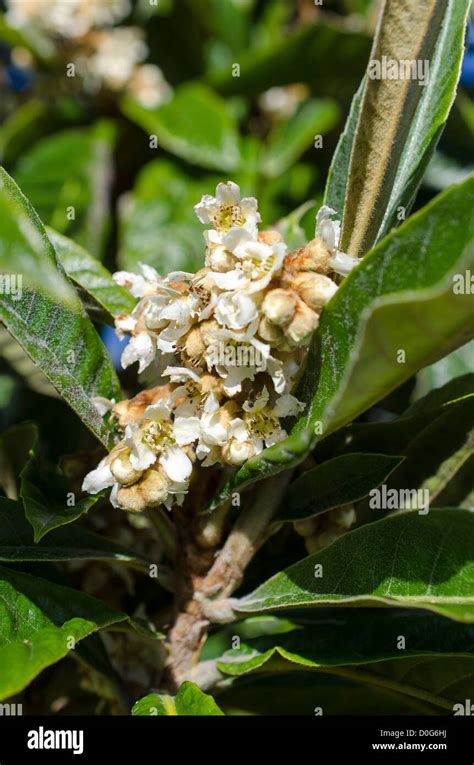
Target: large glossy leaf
x: 399, y: 300
x: 40, y: 622
x: 189, y: 700
x: 67, y: 177
x: 336, y: 482
x: 45, y: 498
x: 439, y: 458
x: 17, y: 543
x: 24, y: 248
x: 351, y: 637
x: 157, y: 222
x: 102, y: 297
x: 288, y: 140
x: 56, y: 334
x: 406, y: 559
x: 195, y: 125
x: 400, y: 121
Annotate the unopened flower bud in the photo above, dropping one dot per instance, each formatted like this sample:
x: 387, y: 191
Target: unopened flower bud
x: 279, y: 306
x: 303, y: 324
x: 270, y: 332
x: 314, y: 289
x: 322, y: 540
x: 133, y: 410
x: 194, y: 345
x: 270, y: 236
x: 306, y: 528
x: 150, y: 492
x: 344, y: 517
x: 220, y: 259
x: 314, y: 256
x: 237, y: 452
x: 122, y: 470
x: 208, y: 328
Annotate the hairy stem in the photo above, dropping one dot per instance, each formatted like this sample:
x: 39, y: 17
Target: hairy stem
x: 204, y: 595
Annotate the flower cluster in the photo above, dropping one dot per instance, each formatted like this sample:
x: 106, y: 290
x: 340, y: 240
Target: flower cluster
x: 227, y: 344
x: 104, y: 55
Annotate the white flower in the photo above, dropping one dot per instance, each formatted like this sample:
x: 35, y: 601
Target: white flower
x: 69, y: 18
x: 178, y: 314
x: 257, y: 264
x: 235, y: 310
x: 117, y: 52
x: 149, y: 86
x: 329, y: 232
x: 139, y: 284
x: 98, y: 479
x: 140, y: 348
x: 227, y: 212
x: 102, y: 404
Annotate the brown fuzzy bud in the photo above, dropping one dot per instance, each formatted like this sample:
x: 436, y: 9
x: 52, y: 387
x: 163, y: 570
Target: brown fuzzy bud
x: 193, y: 345
x: 151, y: 491
x: 207, y: 331
x: 279, y: 306
x: 132, y: 410
x: 270, y: 236
x: 314, y: 256
x: 314, y: 289
x: 303, y: 324
x: 212, y: 384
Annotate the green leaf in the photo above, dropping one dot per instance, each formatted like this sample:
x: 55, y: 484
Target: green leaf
x: 288, y: 140
x: 406, y: 282
x: 102, y: 297
x: 24, y: 248
x: 195, y: 125
x: 17, y: 543
x: 40, y: 622
x: 45, y: 500
x: 405, y: 559
x: 157, y: 222
x: 189, y: 701
x: 304, y: 54
x: 459, y: 362
x: 57, y: 335
x: 338, y: 176
x: 439, y: 457
x: 295, y: 693
x: 19, y: 361
x: 72, y: 171
x: 336, y: 482
x: 400, y: 121
x: 445, y: 682
x: 350, y: 637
